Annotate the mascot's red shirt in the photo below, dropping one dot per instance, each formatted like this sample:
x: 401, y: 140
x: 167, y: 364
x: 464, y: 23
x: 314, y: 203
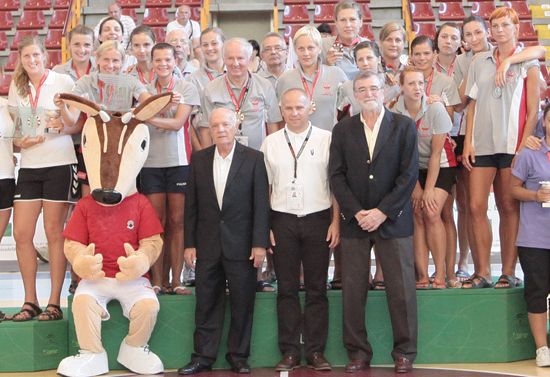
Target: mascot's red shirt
x: 109, y: 227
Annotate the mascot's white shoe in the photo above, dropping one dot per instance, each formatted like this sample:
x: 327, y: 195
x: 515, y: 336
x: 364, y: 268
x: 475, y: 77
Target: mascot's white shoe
x: 84, y: 364
x: 139, y: 359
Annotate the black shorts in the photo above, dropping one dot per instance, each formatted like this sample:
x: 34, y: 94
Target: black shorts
x: 168, y: 180
x: 445, y: 179
x: 56, y: 184
x: 81, y: 168
x: 459, y: 148
x: 535, y: 265
x: 499, y: 161
x: 7, y: 190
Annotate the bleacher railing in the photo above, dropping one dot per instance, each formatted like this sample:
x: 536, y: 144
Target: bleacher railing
x: 73, y: 19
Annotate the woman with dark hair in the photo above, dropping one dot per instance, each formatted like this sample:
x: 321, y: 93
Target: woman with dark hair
x: 531, y: 186
x: 255, y: 60
x: 142, y: 40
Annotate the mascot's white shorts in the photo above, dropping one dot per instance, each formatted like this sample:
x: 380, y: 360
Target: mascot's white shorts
x: 107, y: 289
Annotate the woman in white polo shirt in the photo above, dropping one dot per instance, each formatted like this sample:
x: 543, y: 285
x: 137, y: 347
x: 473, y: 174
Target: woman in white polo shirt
x: 164, y: 175
x: 321, y: 82
x: 499, y: 120
x: 47, y: 178
x: 436, y: 177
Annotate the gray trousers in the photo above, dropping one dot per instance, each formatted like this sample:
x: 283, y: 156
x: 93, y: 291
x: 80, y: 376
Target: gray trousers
x: 397, y: 260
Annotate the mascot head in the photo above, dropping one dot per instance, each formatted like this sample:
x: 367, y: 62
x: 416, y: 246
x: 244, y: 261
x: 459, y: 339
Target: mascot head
x: 115, y: 146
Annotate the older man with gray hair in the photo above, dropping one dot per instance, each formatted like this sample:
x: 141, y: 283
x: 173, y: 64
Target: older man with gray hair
x: 127, y: 22
x: 251, y: 96
x: 228, y: 186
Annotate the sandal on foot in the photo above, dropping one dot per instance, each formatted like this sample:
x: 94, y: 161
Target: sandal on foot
x: 438, y: 284
x: 2, y: 316
x: 454, y: 283
x: 73, y: 286
x: 432, y: 278
x: 181, y: 291
x: 26, y: 314
x: 378, y: 285
x: 157, y: 290
x: 423, y: 284
x: 167, y: 290
x: 264, y: 286
x: 336, y: 284
x: 507, y: 281
x: 52, y: 313
x: 462, y: 275
x: 475, y: 282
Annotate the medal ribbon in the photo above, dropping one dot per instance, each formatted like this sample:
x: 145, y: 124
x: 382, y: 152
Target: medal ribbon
x: 497, y: 56
x: 429, y: 85
x: 351, y: 45
x: 78, y: 75
x: 294, y: 155
x: 306, y: 87
x: 238, y: 103
x: 109, y: 95
x: 168, y: 88
x: 451, y: 69
x: 34, y: 101
x: 142, y: 78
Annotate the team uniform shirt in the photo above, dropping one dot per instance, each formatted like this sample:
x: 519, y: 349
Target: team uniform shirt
x: 142, y: 77
x: 258, y: 107
x: 442, y: 86
x: 129, y: 222
x: 462, y: 63
x: 325, y: 92
x: 532, y: 167
x: 500, y: 114
x: 171, y: 148
x: 7, y: 131
x: 347, y: 63
x: 186, y: 72
x: 202, y: 77
x: 119, y: 99
x: 268, y: 75
x: 127, y: 23
x: 311, y: 173
x: 193, y: 29
x: 431, y: 120
x: 57, y: 149
x: 68, y: 68
x: 450, y: 72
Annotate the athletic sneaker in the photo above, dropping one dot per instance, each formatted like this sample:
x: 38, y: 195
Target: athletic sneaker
x: 543, y: 357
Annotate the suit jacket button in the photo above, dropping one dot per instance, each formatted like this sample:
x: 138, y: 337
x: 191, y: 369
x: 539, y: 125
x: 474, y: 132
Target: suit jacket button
x: 371, y: 176
x: 368, y: 161
x: 222, y: 222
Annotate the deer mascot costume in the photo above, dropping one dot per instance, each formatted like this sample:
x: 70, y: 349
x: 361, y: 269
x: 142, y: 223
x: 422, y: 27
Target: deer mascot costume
x: 112, y: 239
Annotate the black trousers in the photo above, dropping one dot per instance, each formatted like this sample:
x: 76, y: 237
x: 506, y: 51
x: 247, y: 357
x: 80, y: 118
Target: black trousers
x: 397, y: 261
x: 301, y: 241
x: 210, y: 294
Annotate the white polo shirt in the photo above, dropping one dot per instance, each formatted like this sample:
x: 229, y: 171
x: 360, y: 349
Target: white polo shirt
x: 325, y: 93
x: 500, y: 114
x: 7, y: 130
x: 312, y: 170
x: 57, y: 149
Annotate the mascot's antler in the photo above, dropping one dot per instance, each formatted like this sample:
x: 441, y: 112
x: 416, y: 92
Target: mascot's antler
x: 115, y: 147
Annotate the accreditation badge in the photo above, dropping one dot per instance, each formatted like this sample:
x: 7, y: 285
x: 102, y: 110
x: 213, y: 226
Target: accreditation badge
x: 295, y: 196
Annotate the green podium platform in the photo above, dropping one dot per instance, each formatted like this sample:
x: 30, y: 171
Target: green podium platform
x: 455, y: 326
x: 31, y: 346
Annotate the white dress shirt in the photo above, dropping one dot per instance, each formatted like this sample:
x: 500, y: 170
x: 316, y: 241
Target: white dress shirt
x: 372, y: 134
x: 221, y: 171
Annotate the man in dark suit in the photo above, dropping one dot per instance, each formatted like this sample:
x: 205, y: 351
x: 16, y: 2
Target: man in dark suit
x: 373, y: 170
x: 226, y: 234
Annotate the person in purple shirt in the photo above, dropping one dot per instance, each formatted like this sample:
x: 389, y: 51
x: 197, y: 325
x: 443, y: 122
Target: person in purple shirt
x: 533, y: 241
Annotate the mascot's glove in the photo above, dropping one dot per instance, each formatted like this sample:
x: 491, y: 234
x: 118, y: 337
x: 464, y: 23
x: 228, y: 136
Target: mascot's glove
x: 86, y: 264
x: 134, y: 265
x: 138, y: 262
